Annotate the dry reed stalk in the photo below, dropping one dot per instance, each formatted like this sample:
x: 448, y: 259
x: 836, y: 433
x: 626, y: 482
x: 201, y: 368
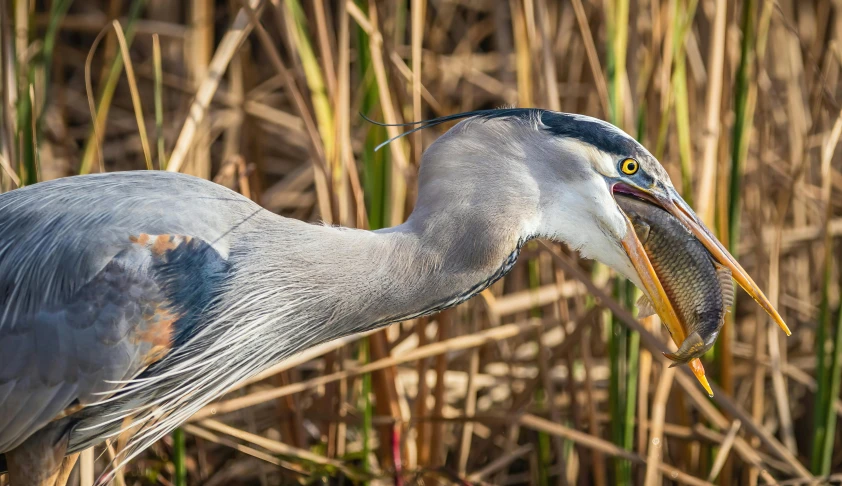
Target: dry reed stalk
x: 397, y: 187
x: 21, y: 31
x: 318, y: 152
x: 499, y: 463
x: 344, y: 118
x: 643, y: 389
x: 299, y: 41
x: 407, y: 73
x: 522, y: 55
x: 593, y: 59
x: 547, y: 58
x: 326, y: 49
x: 718, y: 419
x: 549, y: 392
x: 529, y: 420
x: 110, y: 48
x: 524, y: 300
x: 268, y: 444
x: 437, y: 438
x: 199, y: 51
x: 453, y: 344
x: 136, y: 102
x: 385, y: 389
x: 713, y: 99
x: 10, y: 173
x: 422, y: 430
x: 758, y: 389
x: 93, y: 149
x: 599, y: 470
x: 470, y: 409
x: 234, y: 36
x: 271, y: 459
x: 776, y: 359
x: 111, y: 453
x: 419, y: 10
x: 725, y: 449
x: 656, y: 435
x: 337, y: 98
x: 86, y: 467
x: 290, y: 421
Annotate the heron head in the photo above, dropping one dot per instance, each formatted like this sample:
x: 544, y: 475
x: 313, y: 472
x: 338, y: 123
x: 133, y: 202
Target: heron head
x: 576, y: 165
x: 610, y: 162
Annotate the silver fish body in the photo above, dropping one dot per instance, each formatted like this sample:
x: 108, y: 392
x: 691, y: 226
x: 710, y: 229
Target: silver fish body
x: 700, y: 290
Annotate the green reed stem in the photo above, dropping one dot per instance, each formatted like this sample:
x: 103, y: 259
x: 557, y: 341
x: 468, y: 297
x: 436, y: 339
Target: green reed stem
x: 825, y: 432
x: 159, y: 101
x: 179, y: 455
x: 742, y: 124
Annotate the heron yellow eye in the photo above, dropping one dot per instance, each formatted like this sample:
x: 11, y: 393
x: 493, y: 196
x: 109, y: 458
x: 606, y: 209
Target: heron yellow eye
x: 629, y: 166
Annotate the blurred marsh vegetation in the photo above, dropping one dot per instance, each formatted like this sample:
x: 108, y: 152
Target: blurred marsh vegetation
x: 546, y: 378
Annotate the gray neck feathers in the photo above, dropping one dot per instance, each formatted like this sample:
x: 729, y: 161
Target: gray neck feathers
x: 328, y: 282
x: 321, y: 282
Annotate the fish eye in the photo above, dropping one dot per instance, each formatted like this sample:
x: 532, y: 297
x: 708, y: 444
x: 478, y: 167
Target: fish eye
x: 629, y: 166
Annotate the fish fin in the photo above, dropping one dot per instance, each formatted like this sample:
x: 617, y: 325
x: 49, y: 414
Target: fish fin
x: 692, y: 347
x: 644, y: 307
x: 726, y: 284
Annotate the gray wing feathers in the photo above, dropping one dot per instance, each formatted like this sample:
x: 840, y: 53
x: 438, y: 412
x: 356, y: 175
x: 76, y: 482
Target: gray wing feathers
x: 55, y: 236
x: 80, y: 304
x: 67, y: 356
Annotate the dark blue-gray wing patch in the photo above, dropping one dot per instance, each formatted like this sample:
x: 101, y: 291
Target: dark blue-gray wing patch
x: 145, y: 302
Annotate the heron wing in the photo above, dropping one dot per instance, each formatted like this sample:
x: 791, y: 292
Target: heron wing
x: 145, y: 302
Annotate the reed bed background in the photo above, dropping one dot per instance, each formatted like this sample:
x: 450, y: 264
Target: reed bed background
x: 546, y: 378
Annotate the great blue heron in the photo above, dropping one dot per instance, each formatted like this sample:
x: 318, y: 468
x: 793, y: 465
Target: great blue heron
x: 129, y: 300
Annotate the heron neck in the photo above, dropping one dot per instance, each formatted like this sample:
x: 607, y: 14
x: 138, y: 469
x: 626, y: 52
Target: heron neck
x: 431, y: 268
x: 344, y: 280
x: 436, y: 259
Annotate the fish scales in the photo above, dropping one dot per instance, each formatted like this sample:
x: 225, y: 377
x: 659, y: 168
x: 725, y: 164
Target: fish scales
x: 700, y: 290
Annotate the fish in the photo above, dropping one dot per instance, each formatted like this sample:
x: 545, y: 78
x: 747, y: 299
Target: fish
x: 700, y: 289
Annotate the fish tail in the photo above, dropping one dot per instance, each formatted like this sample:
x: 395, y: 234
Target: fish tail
x: 692, y: 347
